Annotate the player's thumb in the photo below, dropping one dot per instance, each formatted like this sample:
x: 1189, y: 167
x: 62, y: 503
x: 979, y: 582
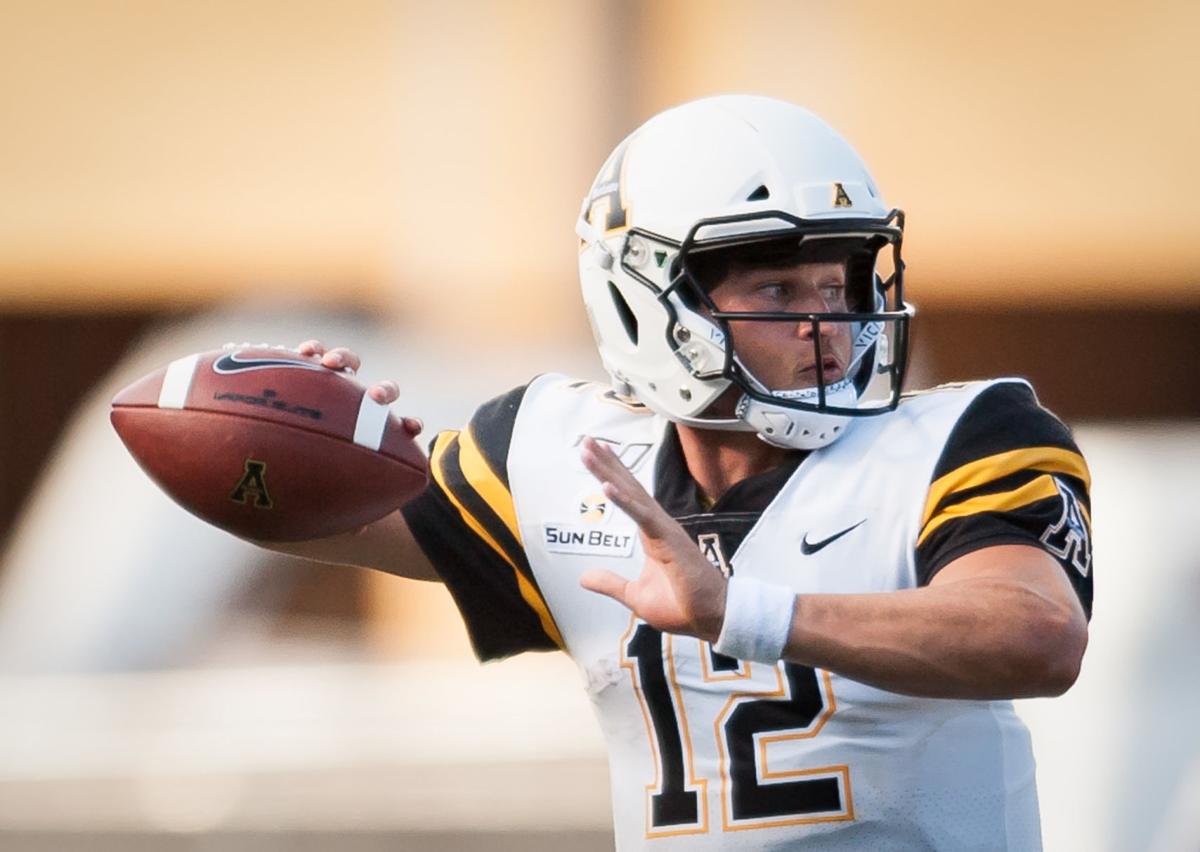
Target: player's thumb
x: 605, y: 583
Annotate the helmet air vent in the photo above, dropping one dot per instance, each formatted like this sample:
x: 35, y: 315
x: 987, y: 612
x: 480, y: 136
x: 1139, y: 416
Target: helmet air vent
x: 760, y: 194
x: 628, y: 320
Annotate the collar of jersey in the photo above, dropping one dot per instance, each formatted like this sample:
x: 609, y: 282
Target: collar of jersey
x: 678, y: 493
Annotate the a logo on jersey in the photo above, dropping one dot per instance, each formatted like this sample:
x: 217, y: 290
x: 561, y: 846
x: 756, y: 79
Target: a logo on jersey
x: 1068, y: 537
x: 808, y: 548
x: 631, y: 454
x: 586, y: 541
x: 251, y: 489
x: 710, y: 546
x: 594, y: 508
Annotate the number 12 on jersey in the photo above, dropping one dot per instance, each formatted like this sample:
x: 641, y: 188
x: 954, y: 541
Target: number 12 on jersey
x: 749, y: 719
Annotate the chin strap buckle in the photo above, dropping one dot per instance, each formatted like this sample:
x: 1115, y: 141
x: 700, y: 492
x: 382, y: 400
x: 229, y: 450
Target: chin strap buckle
x: 778, y: 425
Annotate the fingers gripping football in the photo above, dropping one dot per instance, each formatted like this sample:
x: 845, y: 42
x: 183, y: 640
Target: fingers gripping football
x: 343, y: 358
x: 337, y: 358
x: 677, y: 591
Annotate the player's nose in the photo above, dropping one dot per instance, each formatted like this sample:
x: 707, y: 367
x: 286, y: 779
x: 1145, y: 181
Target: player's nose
x: 807, y: 329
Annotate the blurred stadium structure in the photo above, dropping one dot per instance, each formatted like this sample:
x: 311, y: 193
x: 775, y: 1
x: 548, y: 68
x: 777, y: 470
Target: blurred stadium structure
x: 404, y: 176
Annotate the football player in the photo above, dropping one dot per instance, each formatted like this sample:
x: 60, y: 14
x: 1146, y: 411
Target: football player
x: 802, y: 601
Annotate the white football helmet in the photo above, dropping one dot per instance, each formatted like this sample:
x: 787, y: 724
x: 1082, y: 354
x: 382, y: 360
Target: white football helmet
x: 737, y: 173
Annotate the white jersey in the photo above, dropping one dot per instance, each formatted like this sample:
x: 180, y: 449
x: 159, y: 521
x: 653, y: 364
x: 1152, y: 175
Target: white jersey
x: 707, y: 752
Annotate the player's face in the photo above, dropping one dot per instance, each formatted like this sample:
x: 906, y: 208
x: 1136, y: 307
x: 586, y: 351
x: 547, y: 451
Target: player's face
x: 782, y: 355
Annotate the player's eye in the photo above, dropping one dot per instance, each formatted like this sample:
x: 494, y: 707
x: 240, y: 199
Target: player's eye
x: 833, y: 293
x: 772, y: 290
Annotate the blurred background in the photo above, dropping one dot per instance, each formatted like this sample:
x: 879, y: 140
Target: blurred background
x: 404, y: 177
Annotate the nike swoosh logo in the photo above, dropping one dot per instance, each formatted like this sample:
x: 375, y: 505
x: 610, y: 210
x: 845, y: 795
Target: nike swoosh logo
x: 810, y: 547
x: 232, y: 364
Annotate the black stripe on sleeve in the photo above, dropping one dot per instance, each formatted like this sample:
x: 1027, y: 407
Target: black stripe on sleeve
x: 499, y: 620
x: 470, y: 499
x: 1011, y: 482
x: 1006, y: 416
x: 492, y: 426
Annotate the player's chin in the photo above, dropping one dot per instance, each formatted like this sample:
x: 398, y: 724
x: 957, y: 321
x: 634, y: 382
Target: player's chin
x: 808, y: 380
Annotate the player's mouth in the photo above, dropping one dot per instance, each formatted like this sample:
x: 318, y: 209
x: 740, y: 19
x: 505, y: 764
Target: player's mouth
x: 831, y: 371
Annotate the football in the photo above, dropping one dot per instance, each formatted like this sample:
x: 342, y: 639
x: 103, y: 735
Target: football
x: 268, y: 444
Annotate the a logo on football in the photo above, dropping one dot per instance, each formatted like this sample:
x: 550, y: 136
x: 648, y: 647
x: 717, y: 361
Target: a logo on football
x: 253, y: 486
x: 268, y: 400
x: 231, y: 363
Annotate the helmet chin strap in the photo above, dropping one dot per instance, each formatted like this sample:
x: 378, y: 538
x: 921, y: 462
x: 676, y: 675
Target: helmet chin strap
x: 723, y: 424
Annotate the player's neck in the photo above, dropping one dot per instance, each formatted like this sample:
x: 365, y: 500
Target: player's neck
x: 718, y: 460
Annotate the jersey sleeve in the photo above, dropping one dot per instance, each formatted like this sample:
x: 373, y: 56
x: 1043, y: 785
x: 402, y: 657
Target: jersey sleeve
x: 466, y: 524
x: 1010, y: 473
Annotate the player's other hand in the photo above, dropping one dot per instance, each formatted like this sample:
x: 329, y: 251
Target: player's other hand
x: 347, y: 360
x: 678, y: 590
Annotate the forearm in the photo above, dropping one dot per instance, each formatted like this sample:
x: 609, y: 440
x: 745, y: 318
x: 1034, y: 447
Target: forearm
x: 980, y: 639
x: 386, y: 545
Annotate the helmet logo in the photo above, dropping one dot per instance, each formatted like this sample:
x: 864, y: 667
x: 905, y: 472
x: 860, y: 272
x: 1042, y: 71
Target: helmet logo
x: 840, y: 198
x: 607, y: 211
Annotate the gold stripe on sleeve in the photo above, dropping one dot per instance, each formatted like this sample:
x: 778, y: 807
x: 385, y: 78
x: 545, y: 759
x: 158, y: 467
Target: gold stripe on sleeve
x: 484, y: 480
x: 1004, y: 501
x: 991, y: 468
x: 528, y: 592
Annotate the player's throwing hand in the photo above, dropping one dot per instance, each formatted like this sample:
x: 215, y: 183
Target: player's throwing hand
x: 341, y: 358
x: 678, y: 591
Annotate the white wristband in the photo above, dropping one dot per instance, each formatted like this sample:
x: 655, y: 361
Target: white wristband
x: 758, y: 617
